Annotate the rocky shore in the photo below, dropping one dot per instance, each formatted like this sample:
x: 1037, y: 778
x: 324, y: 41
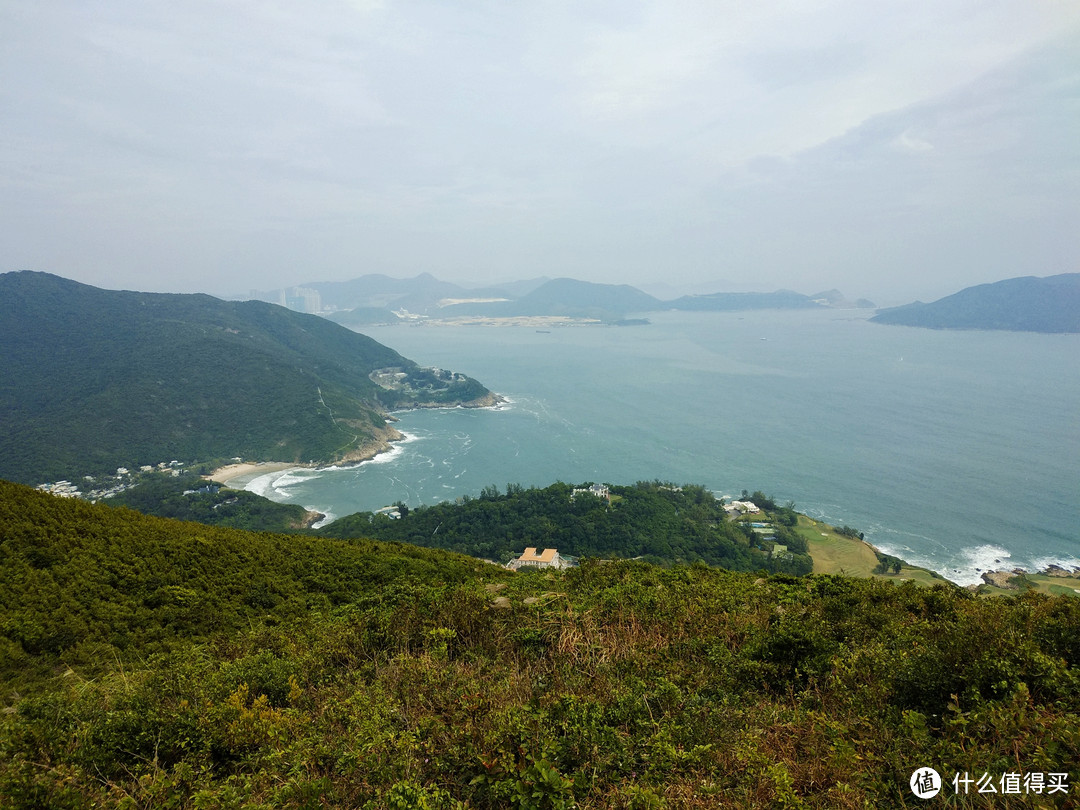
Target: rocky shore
x: 1010, y: 580
x: 489, y: 400
x: 378, y: 443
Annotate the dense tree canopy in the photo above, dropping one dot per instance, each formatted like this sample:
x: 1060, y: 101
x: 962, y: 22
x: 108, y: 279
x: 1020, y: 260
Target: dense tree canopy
x: 653, y: 521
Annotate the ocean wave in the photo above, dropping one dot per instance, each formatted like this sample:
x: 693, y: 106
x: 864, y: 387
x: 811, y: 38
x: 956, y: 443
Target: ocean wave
x: 1037, y: 564
x: 385, y: 457
x: 394, y: 451
x: 266, y: 485
x: 976, y: 560
x: 328, y: 516
x: 290, y: 478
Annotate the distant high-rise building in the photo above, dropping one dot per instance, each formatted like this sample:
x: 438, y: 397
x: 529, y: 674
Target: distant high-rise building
x: 302, y: 299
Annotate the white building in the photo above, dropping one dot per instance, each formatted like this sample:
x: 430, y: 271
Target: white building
x: 599, y: 490
x: 548, y: 558
x: 745, y: 507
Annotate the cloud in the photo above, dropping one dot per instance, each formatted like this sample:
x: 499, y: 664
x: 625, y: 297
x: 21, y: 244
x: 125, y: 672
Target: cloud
x: 907, y: 141
x: 734, y: 81
x: 619, y: 139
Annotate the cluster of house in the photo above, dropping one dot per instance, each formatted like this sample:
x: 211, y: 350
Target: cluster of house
x: 109, y: 485
x: 767, y: 532
x: 64, y: 489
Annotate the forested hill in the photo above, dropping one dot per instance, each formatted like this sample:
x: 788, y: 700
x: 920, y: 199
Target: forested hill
x: 95, y: 379
x: 653, y: 521
x: 1027, y: 304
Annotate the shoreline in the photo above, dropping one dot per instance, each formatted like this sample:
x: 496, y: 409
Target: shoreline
x: 1051, y: 578
x: 239, y: 474
x: 235, y: 476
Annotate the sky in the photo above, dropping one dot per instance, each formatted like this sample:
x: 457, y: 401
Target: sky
x: 893, y: 150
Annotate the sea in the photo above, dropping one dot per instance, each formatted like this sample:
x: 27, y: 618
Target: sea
x: 954, y: 450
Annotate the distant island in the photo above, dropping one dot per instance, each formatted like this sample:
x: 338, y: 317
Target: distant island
x: 97, y: 379
x: 1027, y: 304
x: 376, y: 300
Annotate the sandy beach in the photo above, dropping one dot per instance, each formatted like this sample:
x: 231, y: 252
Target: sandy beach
x: 236, y: 476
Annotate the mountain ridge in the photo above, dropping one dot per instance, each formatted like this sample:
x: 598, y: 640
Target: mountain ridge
x: 374, y: 299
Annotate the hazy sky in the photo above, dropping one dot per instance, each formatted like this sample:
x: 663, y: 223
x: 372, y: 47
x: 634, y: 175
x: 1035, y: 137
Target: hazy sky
x: 895, y: 150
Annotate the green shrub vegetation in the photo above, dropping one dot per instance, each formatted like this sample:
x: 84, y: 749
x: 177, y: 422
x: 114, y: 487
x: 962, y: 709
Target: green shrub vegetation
x: 153, y: 663
x: 85, y: 585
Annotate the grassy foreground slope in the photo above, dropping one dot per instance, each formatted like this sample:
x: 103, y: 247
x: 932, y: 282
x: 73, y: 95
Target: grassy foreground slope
x: 96, y: 379
x: 390, y: 677
x: 88, y: 586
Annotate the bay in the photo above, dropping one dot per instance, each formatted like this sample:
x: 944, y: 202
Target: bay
x: 956, y: 450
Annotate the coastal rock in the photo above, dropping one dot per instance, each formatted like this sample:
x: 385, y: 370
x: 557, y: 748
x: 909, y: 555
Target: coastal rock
x: 379, y: 443
x: 1000, y: 579
x: 1058, y: 571
x: 310, y: 519
x: 489, y: 400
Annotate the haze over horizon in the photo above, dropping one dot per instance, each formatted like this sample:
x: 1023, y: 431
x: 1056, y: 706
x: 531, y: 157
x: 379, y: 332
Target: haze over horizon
x: 892, y: 151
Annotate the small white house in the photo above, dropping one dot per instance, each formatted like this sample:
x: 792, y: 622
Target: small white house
x: 599, y: 490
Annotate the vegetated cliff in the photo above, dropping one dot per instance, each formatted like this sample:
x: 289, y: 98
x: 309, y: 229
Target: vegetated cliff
x: 95, y: 379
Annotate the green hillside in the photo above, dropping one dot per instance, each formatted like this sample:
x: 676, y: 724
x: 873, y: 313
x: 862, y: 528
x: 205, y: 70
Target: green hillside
x: 82, y: 585
x: 162, y: 664
x: 652, y: 521
x: 96, y: 379
x: 1027, y: 304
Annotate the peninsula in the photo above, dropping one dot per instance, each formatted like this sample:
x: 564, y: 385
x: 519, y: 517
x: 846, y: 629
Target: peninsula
x: 1027, y: 304
x: 96, y: 380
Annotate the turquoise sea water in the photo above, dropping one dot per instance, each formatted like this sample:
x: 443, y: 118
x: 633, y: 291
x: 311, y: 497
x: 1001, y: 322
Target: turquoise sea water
x: 959, y: 451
